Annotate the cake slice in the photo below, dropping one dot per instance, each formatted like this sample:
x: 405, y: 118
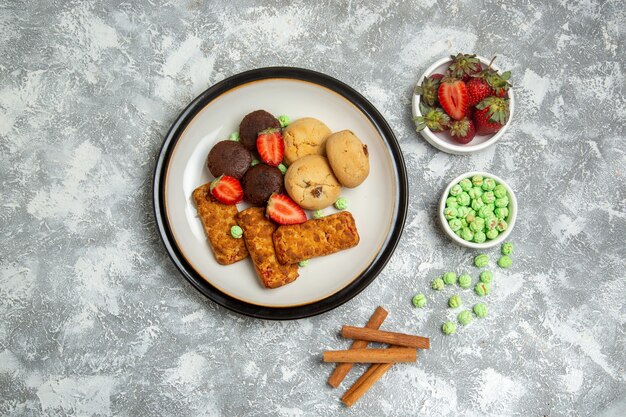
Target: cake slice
x: 217, y: 219
x: 257, y: 233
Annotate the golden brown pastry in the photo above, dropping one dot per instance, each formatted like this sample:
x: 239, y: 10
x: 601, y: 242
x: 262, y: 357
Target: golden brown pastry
x: 348, y: 157
x: 306, y: 136
x: 310, y: 182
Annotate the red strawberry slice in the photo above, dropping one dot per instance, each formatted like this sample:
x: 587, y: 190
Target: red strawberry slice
x: 227, y: 190
x: 453, y: 98
x: 271, y: 146
x: 283, y: 210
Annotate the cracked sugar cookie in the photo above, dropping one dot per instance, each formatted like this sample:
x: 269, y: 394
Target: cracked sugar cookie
x: 306, y: 136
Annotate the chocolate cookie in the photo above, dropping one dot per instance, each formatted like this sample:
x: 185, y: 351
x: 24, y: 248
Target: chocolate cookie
x: 259, y: 182
x: 229, y: 158
x: 252, y: 124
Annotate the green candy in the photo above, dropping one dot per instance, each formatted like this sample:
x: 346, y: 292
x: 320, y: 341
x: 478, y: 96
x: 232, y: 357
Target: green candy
x: 463, y: 199
x: 489, y: 184
x: 507, y: 248
x: 451, y: 202
x: 481, y: 260
x: 303, y: 263
x: 505, y: 261
x: 455, y: 301
x: 449, y: 278
x: 467, y: 234
x: 464, y: 223
x: 480, y: 309
x: 488, y: 197
x: 465, y: 184
x: 455, y: 224
x: 486, y: 277
x: 502, y: 202
x: 419, y: 300
x: 471, y: 216
x: 491, y: 223
x: 464, y: 317
x: 458, y: 233
x: 254, y: 162
x: 463, y: 211
x: 477, y: 204
x: 448, y: 328
x: 482, y: 289
x: 318, y: 214
x: 477, y: 180
x: 501, y: 226
x: 456, y: 190
x: 284, y: 120
x: 236, y: 232
x: 234, y: 136
x: 341, y: 203
x: 480, y: 236
x: 475, y: 193
x: 465, y: 281
x: 492, y: 234
x: 477, y: 225
x: 491, y: 207
x: 499, y: 191
x: 437, y: 284
x: 501, y: 212
x: 282, y: 168
x: 484, y: 212
x: 451, y: 213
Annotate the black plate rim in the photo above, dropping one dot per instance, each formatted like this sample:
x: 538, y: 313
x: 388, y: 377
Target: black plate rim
x: 359, y: 283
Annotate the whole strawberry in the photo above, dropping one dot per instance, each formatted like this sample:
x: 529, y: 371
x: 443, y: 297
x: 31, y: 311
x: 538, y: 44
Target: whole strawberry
x: 477, y: 90
x: 432, y: 117
x: 428, y: 89
x: 491, y: 114
x: 463, y: 66
x: 462, y: 131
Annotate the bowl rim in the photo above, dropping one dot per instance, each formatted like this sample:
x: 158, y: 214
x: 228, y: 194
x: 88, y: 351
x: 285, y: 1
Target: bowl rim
x: 442, y: 145
x: 490, y: 243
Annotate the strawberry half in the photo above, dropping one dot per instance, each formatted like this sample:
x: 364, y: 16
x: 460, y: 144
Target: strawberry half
x: 491, y: 114
x: 462, y: 131
x: 271, y: 147
x: 227, y: 190
x: 453, y: 98
x: 283, y: 210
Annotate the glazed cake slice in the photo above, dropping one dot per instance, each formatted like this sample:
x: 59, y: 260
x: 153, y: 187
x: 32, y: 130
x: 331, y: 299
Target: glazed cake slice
x: 315, y: 237
x: 217, y: 219
x: 257, y: 233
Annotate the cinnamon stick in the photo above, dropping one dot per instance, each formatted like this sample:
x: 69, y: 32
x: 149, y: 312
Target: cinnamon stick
x: 390, y: 355
x: 392, y: 338
x: 342, y: 369
x: 364, y: 383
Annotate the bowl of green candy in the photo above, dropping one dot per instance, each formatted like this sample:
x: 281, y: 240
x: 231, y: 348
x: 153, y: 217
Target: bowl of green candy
x: 478, y: 210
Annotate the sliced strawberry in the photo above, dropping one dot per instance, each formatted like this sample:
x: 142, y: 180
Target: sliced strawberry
x: 462, y: 131
x: 453, y: 98
x: 283, y: 210
x: 227, y: 190
x: 477, y: 90
x: 271, y: 147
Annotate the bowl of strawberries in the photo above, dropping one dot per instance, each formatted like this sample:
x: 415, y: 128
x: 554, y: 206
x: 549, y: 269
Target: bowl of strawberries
x: 463, y: 103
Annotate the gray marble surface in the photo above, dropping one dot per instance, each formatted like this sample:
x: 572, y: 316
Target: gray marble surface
x: 96, y: 320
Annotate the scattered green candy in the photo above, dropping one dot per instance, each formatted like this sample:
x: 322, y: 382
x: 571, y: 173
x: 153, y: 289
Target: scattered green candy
x: 489, y: 184
x: 254, y: 162
x: 284, y: 120
x: 282, y: 168
x: 466, y: 184
x: 455, y: 224
x: 341, y: 203
x: 437, y: 284
x: 480, y: 309
x: 456, y: 190
x: 488, y: 197
x: 419, y: 300
x: 465, y: 281
x: 451, y: 202
x: 501, y: 213
x: 482, y: 289
x: 463, y: 199
x: 234, y: 136
x: 505, y: 261
x: 449, y: 278
x: 486, y: 277
x: 236, y: 232
x: 303, y: 263
x: 507, y: 248
x: 451, y: 213
x: 480, y: 236
x: 499, y: 191
x: 481, y: 260
x: 448, y: 328
x: 492, y: 234
x: 467, y: 234
x: 464, y: 317
x: 318, y: 214
x: 477, y: 180
x: 455, y: 301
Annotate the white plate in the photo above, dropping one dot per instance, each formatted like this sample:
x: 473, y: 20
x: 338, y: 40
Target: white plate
x: 378, y: 205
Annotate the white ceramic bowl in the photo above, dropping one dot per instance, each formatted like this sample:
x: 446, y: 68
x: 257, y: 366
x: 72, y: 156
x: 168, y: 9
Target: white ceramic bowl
x: 442, y: 140
x: 488, y: 243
